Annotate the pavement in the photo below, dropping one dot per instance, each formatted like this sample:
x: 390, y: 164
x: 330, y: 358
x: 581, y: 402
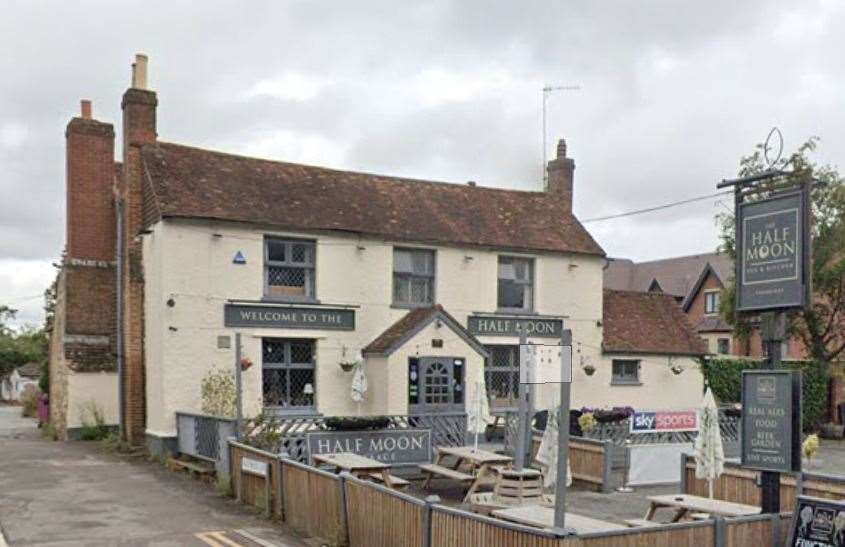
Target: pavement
x: 77, y: 494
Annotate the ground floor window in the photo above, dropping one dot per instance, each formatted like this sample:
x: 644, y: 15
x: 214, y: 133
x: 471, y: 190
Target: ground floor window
x: 626, y: 371
x: 288, y: 379
x: 723, y: 346
x: 502, y: 376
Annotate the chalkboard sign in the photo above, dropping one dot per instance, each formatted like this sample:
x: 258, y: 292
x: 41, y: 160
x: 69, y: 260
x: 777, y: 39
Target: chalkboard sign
x: 771, y: 420
x: 818, y: 523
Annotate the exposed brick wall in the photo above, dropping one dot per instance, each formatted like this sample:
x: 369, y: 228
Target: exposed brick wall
x: 90, y: 176
x: 91, y: 298
x: 139, y: 128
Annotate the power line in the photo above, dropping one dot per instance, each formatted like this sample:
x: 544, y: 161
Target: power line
x: 18, y: 299
x: 657, y: 207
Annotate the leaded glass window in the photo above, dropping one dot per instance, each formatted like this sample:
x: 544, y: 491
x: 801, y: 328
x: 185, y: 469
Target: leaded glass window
x: 289, y: 269
x: 502, y: 376
x: 288, y: 373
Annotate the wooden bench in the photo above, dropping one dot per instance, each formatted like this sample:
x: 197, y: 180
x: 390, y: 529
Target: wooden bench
x: 194, y: 468
x: 432, y: 469
x: 642, y: 523
x: 397, y: 482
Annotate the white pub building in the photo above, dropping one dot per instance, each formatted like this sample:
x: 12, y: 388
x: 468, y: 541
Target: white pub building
x: 429, y: 282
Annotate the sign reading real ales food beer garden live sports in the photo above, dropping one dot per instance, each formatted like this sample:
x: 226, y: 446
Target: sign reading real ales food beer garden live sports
x: 771, y: 253
x: 771, y: 420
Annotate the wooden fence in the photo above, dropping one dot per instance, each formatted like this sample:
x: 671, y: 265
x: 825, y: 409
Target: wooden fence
x: 344, y: 510
x: 313, y: 502
x: 589, y: 460
x: 380, y: 517
x: 250, y: 488
x: 740, y: 485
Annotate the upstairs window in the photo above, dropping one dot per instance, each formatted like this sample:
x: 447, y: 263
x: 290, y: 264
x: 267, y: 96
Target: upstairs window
x: 723, y: 346
x: 711, y: 303
x: 289, y: 269
x: 625, y: 372
x: 516, y: 283
x: 413, y: 277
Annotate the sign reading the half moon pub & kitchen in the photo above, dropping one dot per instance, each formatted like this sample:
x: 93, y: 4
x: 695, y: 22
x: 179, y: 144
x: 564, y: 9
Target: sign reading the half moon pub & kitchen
x: 503, y: 325
x: 772, y: 253
x: 250, y: 315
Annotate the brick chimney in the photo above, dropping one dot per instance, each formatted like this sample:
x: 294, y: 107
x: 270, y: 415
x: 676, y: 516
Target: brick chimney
x: 90, y: 176
x: 139, y: 129
x: 561, y: 172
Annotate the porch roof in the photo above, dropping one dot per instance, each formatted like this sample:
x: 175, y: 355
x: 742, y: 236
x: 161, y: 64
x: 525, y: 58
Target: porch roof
x: 413, y: 322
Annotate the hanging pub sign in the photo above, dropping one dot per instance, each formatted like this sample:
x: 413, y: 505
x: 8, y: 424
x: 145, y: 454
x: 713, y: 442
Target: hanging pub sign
x: 771, y: 420
x: 818, y: 523
x: 772, y: 246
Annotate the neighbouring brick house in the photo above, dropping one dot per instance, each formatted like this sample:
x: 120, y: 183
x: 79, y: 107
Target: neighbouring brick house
x: 696, y: 283
x: 175, y: 249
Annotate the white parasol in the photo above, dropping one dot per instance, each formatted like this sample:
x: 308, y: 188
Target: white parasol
x: 359, y: 381
x: 709, y: 452
x: 478, y: 413
x: 547, y: 453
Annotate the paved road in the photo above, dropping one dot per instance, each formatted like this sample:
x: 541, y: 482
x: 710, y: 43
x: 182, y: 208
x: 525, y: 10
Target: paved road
x: 75, y: 494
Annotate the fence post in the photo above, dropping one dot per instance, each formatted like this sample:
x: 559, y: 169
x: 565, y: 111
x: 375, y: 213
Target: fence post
x: 607, y: 466
x: 719, y: 531
x: 281, y: 480
x: 344, y: 475
x: 426, y: 523
x: 775, y: 529
x: 683, y: 473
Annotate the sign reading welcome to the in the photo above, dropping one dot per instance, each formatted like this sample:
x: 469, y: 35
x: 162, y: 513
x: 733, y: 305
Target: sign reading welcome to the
x: 771, y: 252
x: 392, y: 446
x: 502, y: 325
x: 256, y: 315
x: 771, y: 420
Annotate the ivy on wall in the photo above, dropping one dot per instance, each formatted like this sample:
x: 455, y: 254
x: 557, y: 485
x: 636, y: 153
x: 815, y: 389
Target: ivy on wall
x: 724, y: 376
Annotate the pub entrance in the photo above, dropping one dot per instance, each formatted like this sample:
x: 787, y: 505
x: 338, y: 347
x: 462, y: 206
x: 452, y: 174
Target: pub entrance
x: 436, y: 384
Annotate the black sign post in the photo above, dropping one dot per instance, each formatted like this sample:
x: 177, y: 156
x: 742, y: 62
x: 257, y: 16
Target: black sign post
x: 773, y: 268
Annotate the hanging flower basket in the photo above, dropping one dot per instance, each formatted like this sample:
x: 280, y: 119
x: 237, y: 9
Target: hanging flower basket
x: 346, y: 367
x: 589, y: 370
x: 676, y: 369
x: 246, y: 362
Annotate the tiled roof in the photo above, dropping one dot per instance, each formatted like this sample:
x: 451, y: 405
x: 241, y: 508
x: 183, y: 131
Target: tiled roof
x: 411, y: 323
x: 676, y: 276
x: 194, y: 183
x: 713, y: 324
x: 640, y: 322
x: 30, y: 370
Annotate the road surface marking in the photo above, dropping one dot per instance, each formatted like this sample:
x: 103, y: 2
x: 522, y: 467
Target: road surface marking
x: 217, y: 539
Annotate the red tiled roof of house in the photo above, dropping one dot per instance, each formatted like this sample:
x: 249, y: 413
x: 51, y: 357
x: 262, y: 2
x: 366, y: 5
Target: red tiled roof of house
x: 638, y: 322
x: 194, y: 183
x: 676, y: 276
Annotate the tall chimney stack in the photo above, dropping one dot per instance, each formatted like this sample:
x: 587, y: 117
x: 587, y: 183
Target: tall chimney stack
x: 561, y: 172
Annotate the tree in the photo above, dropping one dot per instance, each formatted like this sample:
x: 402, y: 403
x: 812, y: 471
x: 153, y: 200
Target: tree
x: 19, y: 347
x: 821, y: 327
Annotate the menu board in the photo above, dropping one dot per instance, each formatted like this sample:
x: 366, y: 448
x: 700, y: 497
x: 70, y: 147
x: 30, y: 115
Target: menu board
x: 818, y: 523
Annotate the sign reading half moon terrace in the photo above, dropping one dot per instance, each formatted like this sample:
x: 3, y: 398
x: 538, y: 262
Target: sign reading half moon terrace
x: 772, y: 254
x: 251, y: 315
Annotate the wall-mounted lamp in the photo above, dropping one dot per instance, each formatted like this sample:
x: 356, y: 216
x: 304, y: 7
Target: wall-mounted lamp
x: 216, y: 235
x: 360, y: 248
x: 468, y: 258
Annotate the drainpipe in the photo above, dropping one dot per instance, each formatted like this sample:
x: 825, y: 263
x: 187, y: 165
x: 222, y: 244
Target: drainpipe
x: 119, y: 331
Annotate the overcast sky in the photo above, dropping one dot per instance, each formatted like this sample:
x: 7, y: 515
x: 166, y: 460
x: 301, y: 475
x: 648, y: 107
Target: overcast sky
x: 672, y: 94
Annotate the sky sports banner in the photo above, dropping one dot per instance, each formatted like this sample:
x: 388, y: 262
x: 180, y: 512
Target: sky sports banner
x: 664, y: 421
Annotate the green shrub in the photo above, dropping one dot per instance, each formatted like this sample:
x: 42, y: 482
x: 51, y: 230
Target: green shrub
x: 94, y: 426
x: 219, y: 397
x: 724, y: 376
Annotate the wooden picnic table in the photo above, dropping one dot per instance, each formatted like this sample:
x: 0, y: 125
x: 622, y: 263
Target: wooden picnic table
x: 477, y: 462
x: 359, y: 466
x: 541, y: 516
x: 686, y: 504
